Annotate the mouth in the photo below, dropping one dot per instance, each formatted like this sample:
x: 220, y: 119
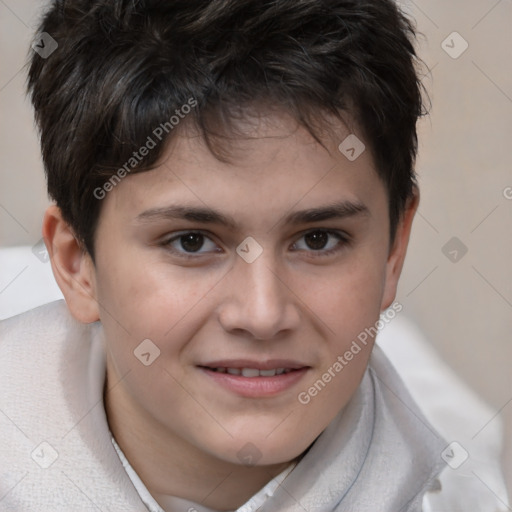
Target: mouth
x: 251, y: 372
x: 254, y: 379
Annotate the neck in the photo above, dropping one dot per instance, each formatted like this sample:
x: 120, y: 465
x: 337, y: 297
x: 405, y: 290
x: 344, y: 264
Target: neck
x: 169, y: 465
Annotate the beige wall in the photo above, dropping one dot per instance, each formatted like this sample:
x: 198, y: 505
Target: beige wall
x: 465, y: 308
x: 465, y: 167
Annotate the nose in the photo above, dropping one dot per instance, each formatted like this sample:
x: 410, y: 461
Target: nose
x: 257, y: 301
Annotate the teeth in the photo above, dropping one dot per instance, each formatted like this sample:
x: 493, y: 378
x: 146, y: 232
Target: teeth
x: 250, y: 372
x: 253, y: 372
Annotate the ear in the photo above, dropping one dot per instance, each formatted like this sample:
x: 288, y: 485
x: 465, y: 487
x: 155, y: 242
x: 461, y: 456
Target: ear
x: 72, y: 267
x: 399, y: 249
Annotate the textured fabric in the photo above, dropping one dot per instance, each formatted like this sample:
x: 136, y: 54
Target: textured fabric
x: 378, y: 455
x: 474, y: 480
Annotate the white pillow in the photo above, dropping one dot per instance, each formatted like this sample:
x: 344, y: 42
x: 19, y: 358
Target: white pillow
x: 26, y: 279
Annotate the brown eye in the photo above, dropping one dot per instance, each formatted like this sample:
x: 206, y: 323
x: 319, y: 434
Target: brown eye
x: 322, y: 242
x: 316, y: 240
x: 192, y: 242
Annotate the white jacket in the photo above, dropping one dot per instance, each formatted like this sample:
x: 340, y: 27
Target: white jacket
x: 56, y: 452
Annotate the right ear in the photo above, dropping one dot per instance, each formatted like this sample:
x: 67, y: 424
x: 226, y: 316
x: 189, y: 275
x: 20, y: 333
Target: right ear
x: 72, y: 266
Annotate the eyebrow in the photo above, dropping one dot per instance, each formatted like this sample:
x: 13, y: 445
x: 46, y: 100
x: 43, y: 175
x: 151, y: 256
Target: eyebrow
x: 339, y: 210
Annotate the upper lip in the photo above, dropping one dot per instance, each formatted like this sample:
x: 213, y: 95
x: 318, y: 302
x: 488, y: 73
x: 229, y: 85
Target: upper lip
x: 269, y: 364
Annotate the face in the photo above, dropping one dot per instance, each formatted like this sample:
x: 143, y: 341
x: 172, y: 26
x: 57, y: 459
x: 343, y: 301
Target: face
x: 250, y: 280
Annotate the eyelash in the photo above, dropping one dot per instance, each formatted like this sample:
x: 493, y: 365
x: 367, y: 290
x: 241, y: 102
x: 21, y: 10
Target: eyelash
x: 342, y: 237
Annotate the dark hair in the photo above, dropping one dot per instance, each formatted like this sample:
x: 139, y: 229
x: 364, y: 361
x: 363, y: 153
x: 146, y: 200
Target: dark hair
x: 125, y: 67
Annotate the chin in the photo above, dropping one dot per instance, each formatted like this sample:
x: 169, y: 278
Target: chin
x: 260, y: 451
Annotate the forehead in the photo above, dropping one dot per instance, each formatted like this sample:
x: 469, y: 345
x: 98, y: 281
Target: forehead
x: 274, y: 165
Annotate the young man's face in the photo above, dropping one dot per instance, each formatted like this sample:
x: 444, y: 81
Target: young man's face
x: 277, y: 287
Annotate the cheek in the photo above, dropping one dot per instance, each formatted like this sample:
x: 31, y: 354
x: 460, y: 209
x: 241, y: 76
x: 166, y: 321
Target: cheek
x: 361, y: 302
x: 349, y: 306
x: 158, y: 302
x: 345, y: 298
x: 147, y: 296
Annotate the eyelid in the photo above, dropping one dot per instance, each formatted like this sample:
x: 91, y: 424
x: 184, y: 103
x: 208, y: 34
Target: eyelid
x: 167, y: 240
x: 343, y: 237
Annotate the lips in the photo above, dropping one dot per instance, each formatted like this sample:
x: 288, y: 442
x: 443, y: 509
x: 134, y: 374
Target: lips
x: 255, y: 378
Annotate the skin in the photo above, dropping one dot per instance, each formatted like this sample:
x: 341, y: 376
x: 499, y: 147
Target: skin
x: 180, y: 430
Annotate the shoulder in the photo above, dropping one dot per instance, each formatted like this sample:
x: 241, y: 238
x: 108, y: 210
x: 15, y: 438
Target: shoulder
x: 43, y: 321
x: 44, y: 356
x: 55, y: 436
x: 32, y: 340
x: 42, y: 342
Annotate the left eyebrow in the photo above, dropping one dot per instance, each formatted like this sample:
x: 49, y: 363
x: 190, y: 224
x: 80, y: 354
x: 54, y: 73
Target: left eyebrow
x: 338, y: 210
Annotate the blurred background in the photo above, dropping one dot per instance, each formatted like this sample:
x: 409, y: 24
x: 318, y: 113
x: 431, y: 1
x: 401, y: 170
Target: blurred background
x: 457, y: 281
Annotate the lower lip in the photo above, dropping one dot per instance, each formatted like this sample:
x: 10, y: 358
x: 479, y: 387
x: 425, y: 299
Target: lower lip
x: 256, y: 387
